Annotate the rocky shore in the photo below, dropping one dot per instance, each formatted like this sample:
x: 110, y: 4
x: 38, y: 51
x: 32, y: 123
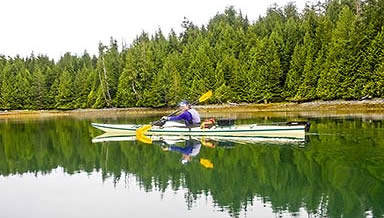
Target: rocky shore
x: 339, y: 106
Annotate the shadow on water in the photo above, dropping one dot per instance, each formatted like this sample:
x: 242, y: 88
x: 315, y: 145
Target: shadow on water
x: 338, y: 172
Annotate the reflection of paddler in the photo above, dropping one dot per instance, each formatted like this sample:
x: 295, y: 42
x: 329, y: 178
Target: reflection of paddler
x: 191, y: 149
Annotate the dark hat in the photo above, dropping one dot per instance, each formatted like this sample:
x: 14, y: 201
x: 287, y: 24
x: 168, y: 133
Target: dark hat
x: 183, y: 103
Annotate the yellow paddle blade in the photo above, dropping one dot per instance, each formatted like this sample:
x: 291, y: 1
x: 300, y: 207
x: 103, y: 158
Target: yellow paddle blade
x: 206, y: 163
x: 143, y: 138
x: 142, y: 130
x: 206, y: 96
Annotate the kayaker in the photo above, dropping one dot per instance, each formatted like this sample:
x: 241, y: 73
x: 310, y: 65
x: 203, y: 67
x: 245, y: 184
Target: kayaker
x: 191, y: 149
x: 189, y: 115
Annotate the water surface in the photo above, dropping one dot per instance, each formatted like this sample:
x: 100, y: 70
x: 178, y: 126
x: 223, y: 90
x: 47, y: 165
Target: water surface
x: 51, y: 168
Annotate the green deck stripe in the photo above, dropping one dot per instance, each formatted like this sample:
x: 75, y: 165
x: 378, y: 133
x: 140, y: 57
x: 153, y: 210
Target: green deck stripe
x: 211, y: 131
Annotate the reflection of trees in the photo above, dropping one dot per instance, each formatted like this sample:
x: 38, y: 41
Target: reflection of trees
x: 337, y: 175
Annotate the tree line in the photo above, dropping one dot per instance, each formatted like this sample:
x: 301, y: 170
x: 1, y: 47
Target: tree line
x: 330, y: 50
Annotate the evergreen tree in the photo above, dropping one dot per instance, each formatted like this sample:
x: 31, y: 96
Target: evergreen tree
x: 109, y: 67
x: 372, y: 67
x: 7, y: 88
x: 339, y: 61
x: 379, y: 83
x: 82, y: 87
x: 294, y: 76
x: 308, y: 79
x: 291, y: 36
x: 65, y: 95
x: 3, y: 63
x: 39, y: 90
x: 173, y: 43
x: 22, y: 98
x: 201, y: 69
x: 168, y: 85
x: 227, y: 81
x: 93, y: 81
x: 137, y: 75
x: 53, y: 93
x: 265, y: 75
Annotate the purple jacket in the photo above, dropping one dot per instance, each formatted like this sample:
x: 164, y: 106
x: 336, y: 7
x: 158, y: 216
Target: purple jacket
x: 188, y: 117
x: 183, y: 116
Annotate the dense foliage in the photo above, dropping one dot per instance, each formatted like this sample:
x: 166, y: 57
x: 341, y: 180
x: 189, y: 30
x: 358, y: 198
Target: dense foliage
x: 331, y: 50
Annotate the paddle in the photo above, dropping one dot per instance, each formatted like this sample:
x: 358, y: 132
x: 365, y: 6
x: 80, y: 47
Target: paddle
x: 142, y: 130
x: 206, y: 163
x: 143, y: 138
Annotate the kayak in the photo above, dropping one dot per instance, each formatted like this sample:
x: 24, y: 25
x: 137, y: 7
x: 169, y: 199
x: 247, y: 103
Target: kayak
x: 285, y: 130
x: 117, y: 137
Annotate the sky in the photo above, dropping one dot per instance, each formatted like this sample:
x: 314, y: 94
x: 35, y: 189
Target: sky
x: 54, y: 27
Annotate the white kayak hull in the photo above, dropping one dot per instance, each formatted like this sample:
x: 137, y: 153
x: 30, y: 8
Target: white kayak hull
x: 116, y: 137
x: 251, y: 130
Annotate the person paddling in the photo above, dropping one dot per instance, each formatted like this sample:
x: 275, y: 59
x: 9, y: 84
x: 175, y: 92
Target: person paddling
x: 189, y: 115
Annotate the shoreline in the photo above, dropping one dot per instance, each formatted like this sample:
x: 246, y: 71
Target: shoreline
x: 337, y: 106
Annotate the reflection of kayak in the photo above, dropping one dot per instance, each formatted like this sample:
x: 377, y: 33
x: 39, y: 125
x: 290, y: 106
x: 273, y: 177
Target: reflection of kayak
x: 113, y: 137
x: 289, y: 130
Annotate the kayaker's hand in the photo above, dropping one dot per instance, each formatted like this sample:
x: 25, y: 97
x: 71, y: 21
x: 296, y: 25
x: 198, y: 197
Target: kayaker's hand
x: 165, y: 118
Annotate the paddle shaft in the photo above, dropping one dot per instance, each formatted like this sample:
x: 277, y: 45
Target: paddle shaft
x: 175, y: 112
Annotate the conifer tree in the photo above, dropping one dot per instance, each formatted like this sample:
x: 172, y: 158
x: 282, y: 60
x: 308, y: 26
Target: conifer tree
x: 294, y: 76
x: 379, y: 83
x: 7, y: 88
x: 308, y: 78
x: 171, y: 79
x: 372, y: 66
x: 173, y: 43
x: 265, y: 72
x: 82, y: 87
x: 338, y: 60
x: 109, y: 68
x: 39, y: 90
x: 125, y: 96
x: 65, y: 95
x: 227, y: 81
x: 291, y: 36
x: 201, y: 68
x: 3, y: 62
x: 93, y: 81
x: 53, y: 93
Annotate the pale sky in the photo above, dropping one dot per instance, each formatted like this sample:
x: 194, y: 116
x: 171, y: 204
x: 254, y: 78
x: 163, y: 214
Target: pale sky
x: 53, y: 27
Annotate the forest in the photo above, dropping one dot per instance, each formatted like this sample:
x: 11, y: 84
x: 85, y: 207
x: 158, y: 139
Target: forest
x: 330, y: 50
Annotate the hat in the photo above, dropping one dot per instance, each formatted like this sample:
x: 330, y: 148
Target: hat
x: 183, y: 103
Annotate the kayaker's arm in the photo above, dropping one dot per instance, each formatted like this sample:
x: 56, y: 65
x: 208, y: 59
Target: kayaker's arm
x: 183, y: 116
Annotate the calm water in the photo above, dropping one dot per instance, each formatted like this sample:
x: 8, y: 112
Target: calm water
x: 51, y: 168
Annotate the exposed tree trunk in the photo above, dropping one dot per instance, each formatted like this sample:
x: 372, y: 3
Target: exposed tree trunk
x: 358, y: 7
x: 102, y: 87
x: 109, y: 100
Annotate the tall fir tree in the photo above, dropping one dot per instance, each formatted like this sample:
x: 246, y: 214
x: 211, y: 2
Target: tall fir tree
x: 65, y: 95
x: 201, y: 69
x: 39, y: 90
x: 294, y: 77
x: 109, y: 67
x: 7, y: 88
x: 372, y: 67
x: 339, y: 61
x: 265, y: 76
